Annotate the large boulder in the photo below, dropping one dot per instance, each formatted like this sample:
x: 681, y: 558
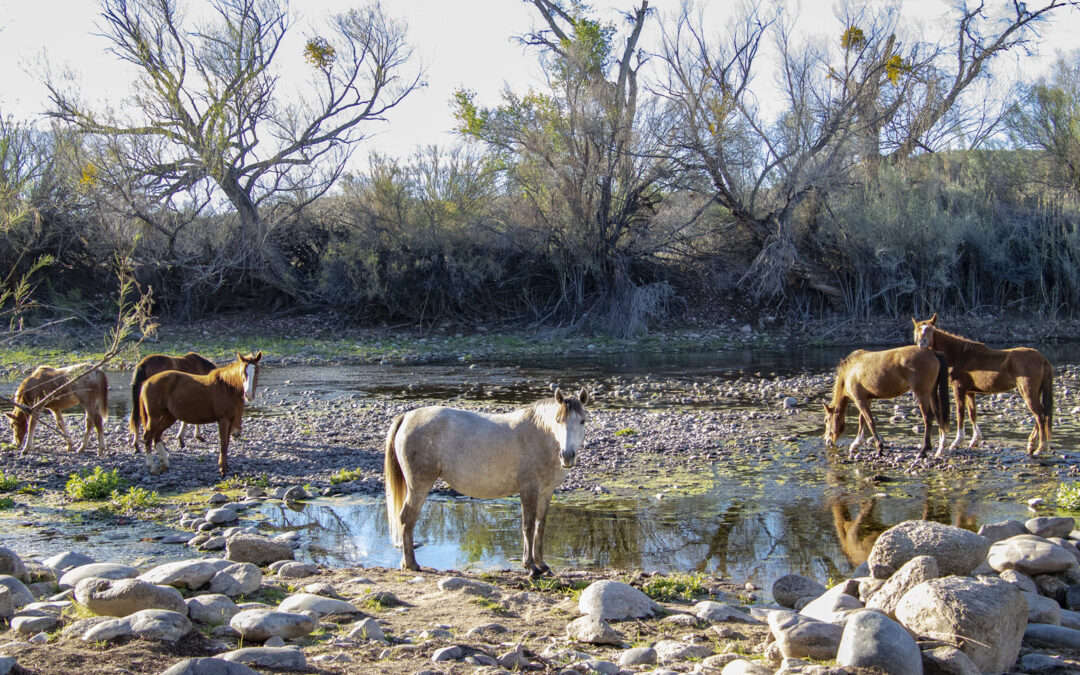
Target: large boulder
x: 256, y: 549
x: 11, y: 564
x: 192, y: 574
x: 1049, y: 636
x: 615, y: 601
x: 956, y: 550
x: 802, y: 637
x: 320, y: 605
x: 1002, y: 530
x: 835, y: 604
x: 1029, y: 555
x: 790, y: 588
x: 20, y: 595
x: 262, y: 624
x: 151, y: 624
x: 103, y: 570
x: 237, y: 579
x: 121, y: 597
x: 984, y: 618
x: 1050, y: 526
x: 873, y: 640
x: 593, y: 630
x: 1042, y: 609
x: 948, y: 660
x: 911, y: 574
x: 212, y: 610
x: 67, y: 560
x: 278, y: 658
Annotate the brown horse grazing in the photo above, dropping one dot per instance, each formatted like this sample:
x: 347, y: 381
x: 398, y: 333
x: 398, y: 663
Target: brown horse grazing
x: 61, y: 388
x: 217, y: 396
x: 157, y: 363
x: 976, y: 368
x: 864, y: 375
x: 526, y: 451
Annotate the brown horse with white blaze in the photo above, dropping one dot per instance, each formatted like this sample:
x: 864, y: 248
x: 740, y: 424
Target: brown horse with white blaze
x: 863, y: 376
x: 60, y: 389
x: 153, y: 364
x: 218, y: 396
x: 975, y: 368
x: 526, y: 452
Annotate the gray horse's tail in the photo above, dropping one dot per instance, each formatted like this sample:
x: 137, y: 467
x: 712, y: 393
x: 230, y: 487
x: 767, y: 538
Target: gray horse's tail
x: 394, y: 479
x: 941, y: 394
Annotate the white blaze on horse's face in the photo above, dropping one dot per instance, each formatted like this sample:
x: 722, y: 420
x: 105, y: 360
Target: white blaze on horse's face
x: 925, y: 337
x: 249, y: 381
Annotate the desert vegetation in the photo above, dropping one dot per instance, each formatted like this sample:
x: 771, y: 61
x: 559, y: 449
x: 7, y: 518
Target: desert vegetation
x: 874, y: 172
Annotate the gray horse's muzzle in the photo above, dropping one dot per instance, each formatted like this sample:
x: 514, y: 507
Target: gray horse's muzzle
x: 566, y: 457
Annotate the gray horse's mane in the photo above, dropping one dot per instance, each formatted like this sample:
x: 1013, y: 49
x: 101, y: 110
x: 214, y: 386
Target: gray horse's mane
x: 569, y: 404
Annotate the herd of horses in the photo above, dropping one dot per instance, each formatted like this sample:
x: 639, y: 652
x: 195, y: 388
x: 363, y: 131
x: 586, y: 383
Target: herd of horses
x: 526, y: 451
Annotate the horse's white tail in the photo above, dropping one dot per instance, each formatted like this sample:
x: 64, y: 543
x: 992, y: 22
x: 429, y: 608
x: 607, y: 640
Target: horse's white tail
x: 103, y: 400
x: 395, y: 484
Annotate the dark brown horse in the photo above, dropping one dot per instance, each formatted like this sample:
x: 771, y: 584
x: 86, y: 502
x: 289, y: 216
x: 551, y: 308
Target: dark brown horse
x: 863, y: 376
x: 975, y: 368
x: 60, y: 389
x: 158, y: 363
x: 218, y: 396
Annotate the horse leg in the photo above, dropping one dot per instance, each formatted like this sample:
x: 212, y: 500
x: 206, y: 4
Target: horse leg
x: 1035, y: 406
x: 538, y: 533
x: 528, y: 531
x: 961, y: 405
x: 198, y: 433
x: 924, y: 409
x: 416, y: 493
x: 223, y: 455
x: 64, y: 430
x: 28, y: 444
x: 863, y: 406
x: 859, y: 436
x: 89, y: 424
x: 100, y: 427
x: 180, y: 434
x: 976, y: 433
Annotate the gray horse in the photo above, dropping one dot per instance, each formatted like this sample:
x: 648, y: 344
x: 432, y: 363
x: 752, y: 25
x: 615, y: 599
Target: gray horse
x: 483, y: 456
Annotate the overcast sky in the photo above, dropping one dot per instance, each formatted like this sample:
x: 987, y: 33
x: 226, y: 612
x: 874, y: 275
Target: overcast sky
x: 462, y: 43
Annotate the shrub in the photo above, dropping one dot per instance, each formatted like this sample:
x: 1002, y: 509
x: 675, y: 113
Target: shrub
x: 1068, y: 496
x: 135, y: 500
x: 346, y: 475
x: 93, y: 485
x: 674, y: 587
x: 8, y: 483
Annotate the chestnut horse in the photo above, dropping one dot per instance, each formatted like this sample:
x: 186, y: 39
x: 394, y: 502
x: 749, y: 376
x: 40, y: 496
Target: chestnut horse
x: 975, y: 368
x: 526, y: 451
x: 864, y: 375
x: 60, y: 389
x: 152, y: 365
x: 218, y: 396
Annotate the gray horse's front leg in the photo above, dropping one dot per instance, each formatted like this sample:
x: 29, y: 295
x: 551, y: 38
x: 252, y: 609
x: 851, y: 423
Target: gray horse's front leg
x: 538, y: 534
x: 528, y: 532
x: 64, y: 430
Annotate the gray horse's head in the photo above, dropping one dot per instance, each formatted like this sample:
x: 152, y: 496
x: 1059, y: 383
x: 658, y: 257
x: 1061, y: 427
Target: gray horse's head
x: 570, y: 432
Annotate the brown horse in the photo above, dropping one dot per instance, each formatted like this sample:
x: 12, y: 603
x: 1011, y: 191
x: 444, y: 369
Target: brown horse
x: 218, y: 396
x: 157, y: 363
x: 976, y: 368
x: 60, y: 389
x: 526, y: 451
x: 864, y: 375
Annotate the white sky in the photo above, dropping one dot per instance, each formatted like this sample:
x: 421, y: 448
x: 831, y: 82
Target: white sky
x: 463, y: 43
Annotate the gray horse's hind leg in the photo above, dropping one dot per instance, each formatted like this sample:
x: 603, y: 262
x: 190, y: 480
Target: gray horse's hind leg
x: 528, y: 532
x: 415, y: 496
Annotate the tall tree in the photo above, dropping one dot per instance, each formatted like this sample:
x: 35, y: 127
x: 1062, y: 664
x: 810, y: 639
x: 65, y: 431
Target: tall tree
x: 1047, y: 118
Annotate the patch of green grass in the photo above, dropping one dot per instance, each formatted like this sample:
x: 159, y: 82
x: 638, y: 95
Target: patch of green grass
x: 8, y: 483
x: 556, y: 585
x: 626, y: 432
x: 346, y: 475
x: 93, y: 485
x: 6, y: 503
x: 491, y: 606
x: 241, y: 482
x: 674, y: 587
x: 135, y: 500
x: 271, y: 595
x: 375, y: 604
x: 1068, y: 496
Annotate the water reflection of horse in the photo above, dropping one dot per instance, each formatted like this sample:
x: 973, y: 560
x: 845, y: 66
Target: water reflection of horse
x: 976, y: 368
x: 60, y: 389
x: 526, y: 451
x: 158, y: 363
x: 863, y: 376
x: 856, y: 534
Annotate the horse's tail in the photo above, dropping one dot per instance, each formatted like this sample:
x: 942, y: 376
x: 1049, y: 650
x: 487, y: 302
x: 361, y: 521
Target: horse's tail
x: 137, y: 379
x: 1048, y: 398
x: 941, y: 393
x: 103, y: 400
x: 394, y: 479
x: 144, y: 417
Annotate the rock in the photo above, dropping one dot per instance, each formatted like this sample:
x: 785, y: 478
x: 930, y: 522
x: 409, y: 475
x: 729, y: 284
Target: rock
x: 159, y: 624
x: 956, y: 550
x: 684, y: 620
x: 948, y: 660
x: 278, y: 658
x: 20, y: 595
x: 367, y: 629
x: 256, y: 549
x: 276, y: 641
x: 873, y: 640
x: 1048, y: 636
x: 7, y: 664
x: 744, y: 667
x: 1070, y: 619
x: 262, y: 624
x: 1042, y: 609
x: 218, y: 498
x: 296, y: 570
x: 32, y: 625
x: 593, y: 630
x: 209, y: 666
x: 911, y: 574
x: 67, y: 560
x: 12, y: 565
x: 1020, y: 580
x: 1045, y: 663
x: 295, y: 494
x: 212, y: 544
x: 715, y: 612
x: 320, y: 605
x: 673, y: 651
x: 835, y: 604
x: 1030, y: 555
x: 788, y: 589
x: 984, y: 618
x: 1047, y: 526
x: 100, y: 570
x: 192, y: 574
x: 212, y: 610
x: 447, y: 654
x: 1002, y: 530
x: 614, y: 600
x: 177, y: 538
x: 800, y: 636
x: 514, y: 659
x: 121, y: 597
x: 467, y: 585
x: 236, y: 580
x: 219, y: 516
x: 638, y: 656
x: 109, y: 630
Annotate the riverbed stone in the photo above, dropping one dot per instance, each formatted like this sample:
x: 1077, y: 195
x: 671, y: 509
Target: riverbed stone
x: 151, y: 624
x: 67, y: 560
x: 835, y: 604
x: 1049, y: 636
x: 716, y: 612
x: 985, y: 618
x: 211, y: 610
x: 745, y: 667
x: 320, y: 605
x: 12, y: 565
x: 222, y: 515
x: 1042, y: 609
x: 121, y: 597
x: 800, y: 636
x: 1002, y: 530
x: 278, y: 658
x: 1020, y: 580
x: 296, y: 570
x: 1050, y: 526
x: 103, y: 570
x: 257, y: 549
x: 957, y: 551
x: 32, y: 625
x: 465, y: 585
x: 674, y: 651
x: 209, y: 665
x: 20, y: 595
x: 873, y: 640
x: 790, y: 588
x: 948, y: 660
x: 592, y: 629
x: 911, y: 574
x: 262, y: 624
x: 1030, y: 555
x: 367, y: 629
x: 638, y: 656
x: 236, y: 580
x: 616, y: 601
x: 191, y: 574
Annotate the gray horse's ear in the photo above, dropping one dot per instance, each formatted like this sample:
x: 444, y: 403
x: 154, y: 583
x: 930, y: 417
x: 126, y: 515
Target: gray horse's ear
x: 583, y: 396
x: 559, y: 398
x: 933, y: 320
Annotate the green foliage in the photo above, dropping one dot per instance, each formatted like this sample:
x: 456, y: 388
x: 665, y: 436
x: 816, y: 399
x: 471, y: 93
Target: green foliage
x: 6, y: 503
x: 853, y: 38
x: 626, y: 432
x: 346, y: 475
x: 491, y: 605
x: 240, y: 482
x: 1068, y: 495
x: 93, y: 485
x: 8, y: 483
x: 674, y: 587
x: 136, y: 500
